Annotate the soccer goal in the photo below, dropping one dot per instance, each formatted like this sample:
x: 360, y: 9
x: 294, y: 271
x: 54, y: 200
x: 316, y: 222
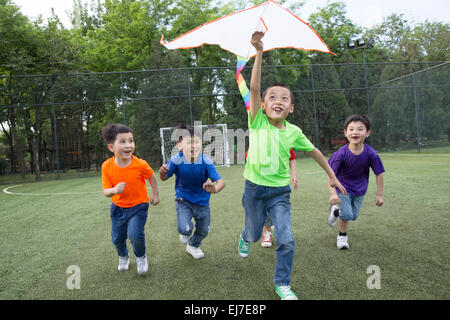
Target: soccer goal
x: 214, y: 143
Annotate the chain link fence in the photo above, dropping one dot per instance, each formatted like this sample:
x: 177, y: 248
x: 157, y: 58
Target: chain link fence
x: 52, y: 123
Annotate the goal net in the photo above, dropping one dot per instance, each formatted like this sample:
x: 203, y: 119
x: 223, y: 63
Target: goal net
x: 214, y: 142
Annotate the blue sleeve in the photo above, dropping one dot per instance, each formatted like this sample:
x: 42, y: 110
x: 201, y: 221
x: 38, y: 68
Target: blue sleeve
x: 172, y: 168
x: 211, y: 170
x: 212, y: 173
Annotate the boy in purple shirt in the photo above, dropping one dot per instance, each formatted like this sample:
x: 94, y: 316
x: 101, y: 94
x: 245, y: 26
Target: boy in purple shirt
x: 351, y: 165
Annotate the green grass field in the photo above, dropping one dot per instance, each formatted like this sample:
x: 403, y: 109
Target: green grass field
x: 48, y: 226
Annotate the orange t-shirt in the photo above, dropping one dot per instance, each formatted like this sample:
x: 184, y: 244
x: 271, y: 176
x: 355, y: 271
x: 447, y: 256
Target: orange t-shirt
x: 134, y: 175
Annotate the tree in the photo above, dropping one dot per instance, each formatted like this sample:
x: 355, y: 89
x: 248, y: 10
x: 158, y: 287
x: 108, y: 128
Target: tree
x: 334, y: 27
x: 16, y: 57
x: 155, y: 113
x: 434, y: 40
x: 123, y: 40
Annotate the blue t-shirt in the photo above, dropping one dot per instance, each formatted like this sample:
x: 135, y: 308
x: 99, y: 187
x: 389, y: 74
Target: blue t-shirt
x: 352, y: 170
x: 190, y: 177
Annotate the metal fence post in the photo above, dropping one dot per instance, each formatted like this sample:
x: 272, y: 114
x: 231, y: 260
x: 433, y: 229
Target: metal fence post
x: 189, y: 92
x: 367, y: 89
x: 122, y: 99
x: 316, y: 126
x: 417, y: 111
x: 52, y: 83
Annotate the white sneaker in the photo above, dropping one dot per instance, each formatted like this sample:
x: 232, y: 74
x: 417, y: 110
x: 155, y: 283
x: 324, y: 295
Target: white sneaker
x: 142, y: 265
x: 267, y: 239
x: 197, y: 253
x: 333, y: 216
x: 342, y: 242
x: 124, y: 262
x: 184, y: 239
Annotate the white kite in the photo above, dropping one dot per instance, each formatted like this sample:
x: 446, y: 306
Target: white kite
x: 233, y: 32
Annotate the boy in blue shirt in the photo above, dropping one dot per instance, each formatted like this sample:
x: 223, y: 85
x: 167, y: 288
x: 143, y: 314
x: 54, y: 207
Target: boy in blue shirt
x: 192, y: 190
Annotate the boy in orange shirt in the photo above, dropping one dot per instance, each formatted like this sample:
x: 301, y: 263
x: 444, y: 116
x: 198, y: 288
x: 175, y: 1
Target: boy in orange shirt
x: 123, y: 179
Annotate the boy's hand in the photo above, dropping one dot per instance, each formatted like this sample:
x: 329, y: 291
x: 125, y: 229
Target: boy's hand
x: 256, y: 40
x: 164, y: 169
x: 334, y: 199
x: 379, y: 200
x: 119, y: 187
x: 334, y: 182
x: 294, y: 182
x: 154, y: 200
x: 209, y: 187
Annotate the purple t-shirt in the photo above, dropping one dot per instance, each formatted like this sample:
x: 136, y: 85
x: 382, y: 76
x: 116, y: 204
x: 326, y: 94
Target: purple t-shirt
x: 352, y: 170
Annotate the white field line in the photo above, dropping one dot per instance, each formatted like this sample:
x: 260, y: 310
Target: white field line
x: 6, y: 190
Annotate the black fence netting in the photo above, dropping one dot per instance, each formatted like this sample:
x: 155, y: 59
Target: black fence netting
x: 52, y: 123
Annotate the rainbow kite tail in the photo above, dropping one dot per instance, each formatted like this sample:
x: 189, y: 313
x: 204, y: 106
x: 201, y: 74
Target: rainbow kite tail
x: 245, y: 93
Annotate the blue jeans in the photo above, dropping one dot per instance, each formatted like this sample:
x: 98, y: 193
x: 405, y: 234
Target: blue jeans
x: 201, y: 215
x: 129, y: 223
x: 260, y: 202
x: 350, y: 206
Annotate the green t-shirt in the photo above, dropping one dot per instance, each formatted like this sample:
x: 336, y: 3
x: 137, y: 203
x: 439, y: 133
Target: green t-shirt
x: 268, y: 154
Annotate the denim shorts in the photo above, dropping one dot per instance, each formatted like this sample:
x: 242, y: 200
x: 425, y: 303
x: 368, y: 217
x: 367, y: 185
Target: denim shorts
x: 349, y: 207
x: 186, y: 212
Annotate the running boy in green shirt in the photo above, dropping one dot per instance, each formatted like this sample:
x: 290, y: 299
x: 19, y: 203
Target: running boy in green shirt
x: 267, y: 190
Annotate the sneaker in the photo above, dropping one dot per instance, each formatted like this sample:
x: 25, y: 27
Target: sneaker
x: 243, y: 248
x: 124, y: 262
x: 267, y: 239
x: 142, y: 265
x: 342, y: 242
x: 197, y: 253
x: 184, y: 239
x: 285, y: 293
x: 333, y: 216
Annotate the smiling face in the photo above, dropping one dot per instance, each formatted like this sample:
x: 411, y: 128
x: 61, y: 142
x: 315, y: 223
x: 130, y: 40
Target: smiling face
x: 356, y: 132
x: 123, y: 146
x: 191, y: 147
x: 277, y: 104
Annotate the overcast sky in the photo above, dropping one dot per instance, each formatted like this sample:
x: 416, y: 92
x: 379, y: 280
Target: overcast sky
x: 365, y: 13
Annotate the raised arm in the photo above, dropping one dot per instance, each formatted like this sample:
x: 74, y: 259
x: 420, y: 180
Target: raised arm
x: 255, y: 82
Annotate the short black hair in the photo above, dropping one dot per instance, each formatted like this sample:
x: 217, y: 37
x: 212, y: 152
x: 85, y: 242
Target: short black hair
x: 110, y: 132
x: 185, y: 130
x: 358, y: 117
x: 276, y: 84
